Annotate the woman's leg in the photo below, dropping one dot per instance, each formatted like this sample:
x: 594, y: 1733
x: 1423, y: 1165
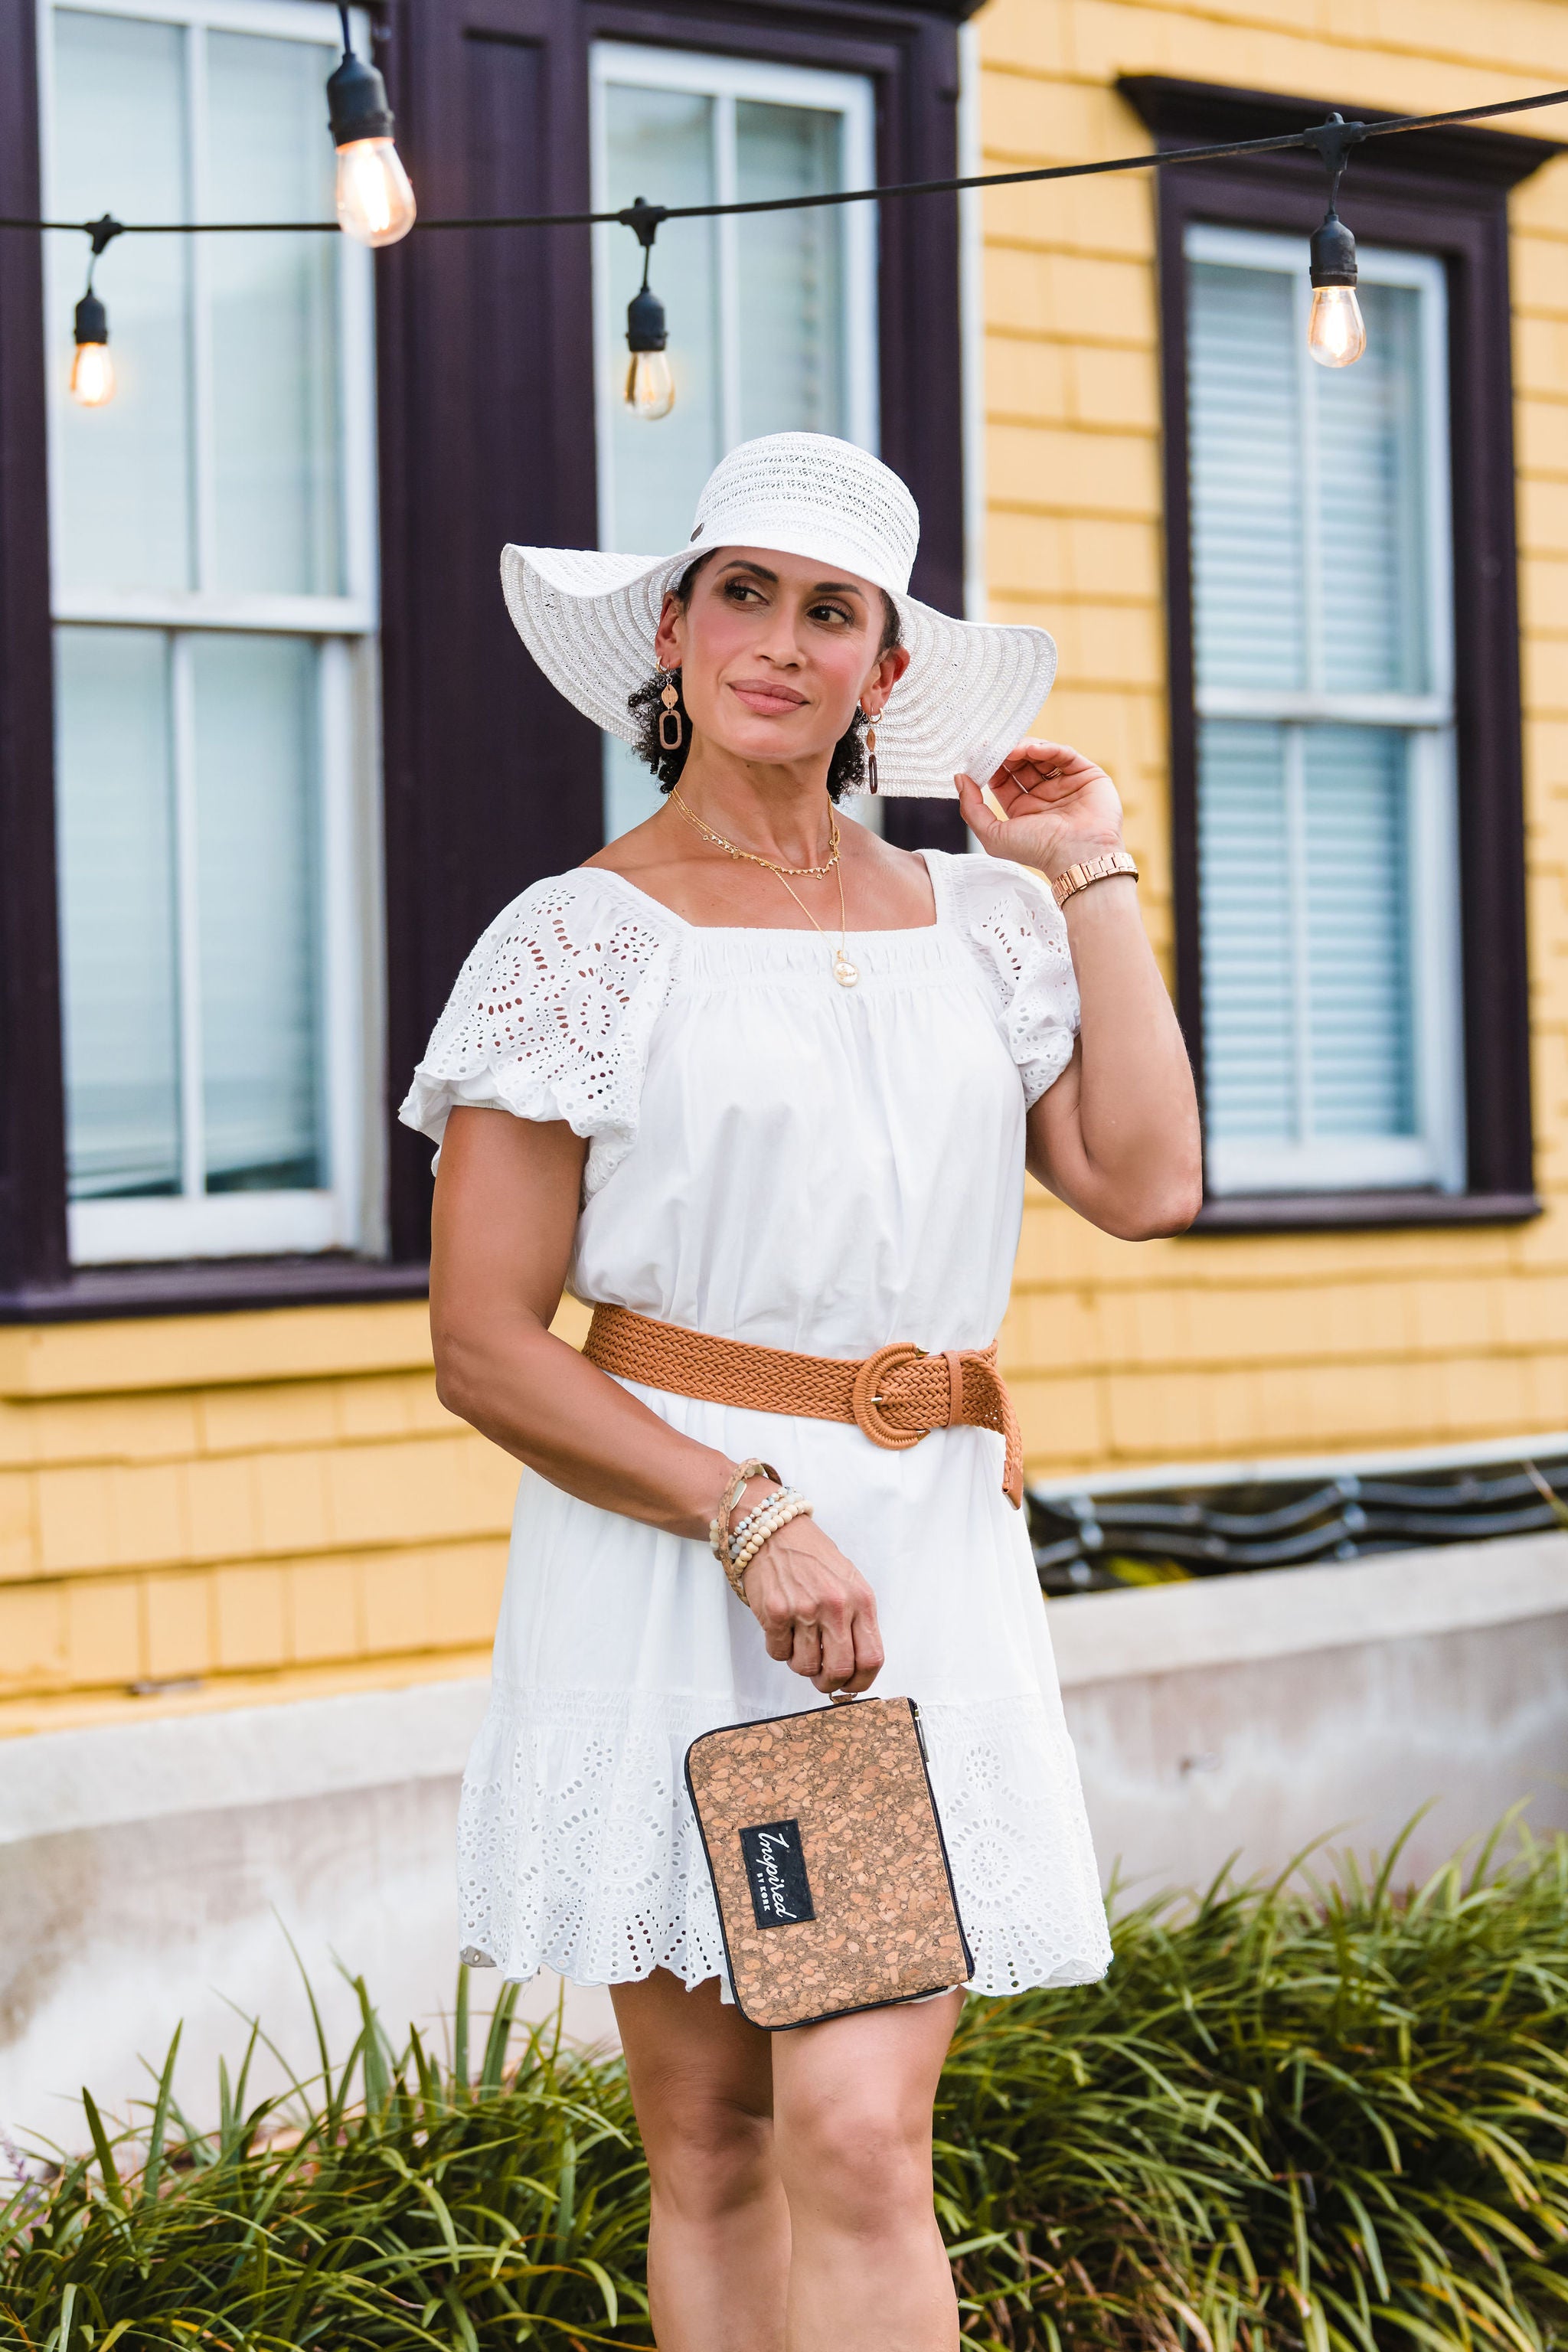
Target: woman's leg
x: 852, y: 2118
x: 702, y: 2081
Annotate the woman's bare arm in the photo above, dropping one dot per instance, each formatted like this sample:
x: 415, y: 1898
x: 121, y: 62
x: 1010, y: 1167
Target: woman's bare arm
x: 1117, y: 1137
x: 506, y: 1195
x: 506, y: 1208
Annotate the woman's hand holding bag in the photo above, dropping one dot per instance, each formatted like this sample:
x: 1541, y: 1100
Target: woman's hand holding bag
x: 817, y: 1611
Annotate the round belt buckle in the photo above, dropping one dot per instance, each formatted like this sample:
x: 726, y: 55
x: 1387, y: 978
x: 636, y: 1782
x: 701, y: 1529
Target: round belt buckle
x: 869, y: 1415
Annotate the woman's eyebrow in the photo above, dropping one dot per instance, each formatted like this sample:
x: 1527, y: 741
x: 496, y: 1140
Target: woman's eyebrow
x: 761, y: 571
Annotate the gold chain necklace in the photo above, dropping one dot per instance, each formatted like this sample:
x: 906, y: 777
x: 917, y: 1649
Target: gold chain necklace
x: 801, y: 873
x: 846, y: 973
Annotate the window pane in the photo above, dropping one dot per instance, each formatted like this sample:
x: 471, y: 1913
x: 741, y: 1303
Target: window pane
x: 789, y: 272
x: 256, y: 762
x: 117, y: 912
x: 1370, y: 466
x: 1357, y: 930
x: 1308, y: 1017
x: 1245, y: 880
x: 124, y: 517
x: 1244, y: 431
x: 659, y: 145
x: 273, y: 342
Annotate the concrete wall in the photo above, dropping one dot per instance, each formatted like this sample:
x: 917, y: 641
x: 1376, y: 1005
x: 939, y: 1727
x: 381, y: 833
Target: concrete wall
x: 147, y: 1871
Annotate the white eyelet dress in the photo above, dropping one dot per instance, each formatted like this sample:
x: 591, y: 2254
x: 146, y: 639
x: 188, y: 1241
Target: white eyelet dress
x: 776, y: 1158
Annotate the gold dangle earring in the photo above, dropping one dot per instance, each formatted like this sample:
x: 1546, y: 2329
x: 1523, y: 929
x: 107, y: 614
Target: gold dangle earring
x: 670, y: 731
x: 871, y: 754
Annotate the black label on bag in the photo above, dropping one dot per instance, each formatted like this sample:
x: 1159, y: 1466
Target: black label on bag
x: 775, y: 1872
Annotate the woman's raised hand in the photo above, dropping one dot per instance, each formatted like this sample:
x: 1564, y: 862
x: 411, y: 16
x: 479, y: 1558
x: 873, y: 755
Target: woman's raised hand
x: 1059, y: 807
x: 817, y: 1609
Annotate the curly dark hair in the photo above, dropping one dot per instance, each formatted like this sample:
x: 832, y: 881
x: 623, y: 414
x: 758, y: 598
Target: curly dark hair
x: 845, y: 769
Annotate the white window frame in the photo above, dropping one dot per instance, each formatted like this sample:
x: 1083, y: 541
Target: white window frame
x: 703, y: 73
x: 1435, y: 1155
x: 342, y: 628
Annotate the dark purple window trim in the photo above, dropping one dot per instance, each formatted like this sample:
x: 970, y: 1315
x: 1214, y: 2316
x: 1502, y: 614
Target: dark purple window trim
x: 1442, y: 192
x: 32, y: 1103
x: 484, y: 351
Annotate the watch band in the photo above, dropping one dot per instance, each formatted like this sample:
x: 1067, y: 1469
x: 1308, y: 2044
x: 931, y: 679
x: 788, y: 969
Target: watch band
x: 1093, y: 869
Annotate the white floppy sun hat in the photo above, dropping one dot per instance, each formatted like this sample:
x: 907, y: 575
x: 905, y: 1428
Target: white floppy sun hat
x: 970, y: 689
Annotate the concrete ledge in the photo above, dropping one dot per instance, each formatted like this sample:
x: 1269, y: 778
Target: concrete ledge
x: 147, y: 1870
x: 246, y: 1756
x: 1220, y: 1621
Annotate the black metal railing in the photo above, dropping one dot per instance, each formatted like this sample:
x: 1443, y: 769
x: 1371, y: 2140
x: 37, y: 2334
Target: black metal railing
x: 1086, y: 1542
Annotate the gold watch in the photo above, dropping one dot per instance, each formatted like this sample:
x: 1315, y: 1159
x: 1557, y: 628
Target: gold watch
x: 1093, y: 869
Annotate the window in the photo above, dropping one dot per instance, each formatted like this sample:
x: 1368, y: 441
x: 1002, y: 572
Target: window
x: 213, y: 592
x: 1347, y: 817
x: 1323, y: 675
x: 771, y: 317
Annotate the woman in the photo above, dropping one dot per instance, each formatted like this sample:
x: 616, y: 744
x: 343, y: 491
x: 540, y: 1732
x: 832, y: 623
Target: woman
x: 773, y: 1081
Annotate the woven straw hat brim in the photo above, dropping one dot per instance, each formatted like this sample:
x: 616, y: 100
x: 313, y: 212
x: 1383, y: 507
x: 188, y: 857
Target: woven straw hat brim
x: 970, y: 692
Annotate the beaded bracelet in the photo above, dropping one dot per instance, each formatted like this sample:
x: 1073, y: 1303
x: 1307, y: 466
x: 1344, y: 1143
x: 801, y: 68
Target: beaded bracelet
x: 780, y: 1516
x: 738, y: 1534
x: 719, y: 1526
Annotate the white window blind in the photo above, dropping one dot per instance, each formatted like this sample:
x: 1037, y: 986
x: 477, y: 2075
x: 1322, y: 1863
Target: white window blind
x: 214, y: 567
x: 1322, y: 644
x: 772, y: 316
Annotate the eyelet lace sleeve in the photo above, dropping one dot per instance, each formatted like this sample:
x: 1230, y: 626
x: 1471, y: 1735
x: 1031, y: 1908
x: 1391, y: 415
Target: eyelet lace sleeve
x: 551, y: 1018
x: 1016, y: 932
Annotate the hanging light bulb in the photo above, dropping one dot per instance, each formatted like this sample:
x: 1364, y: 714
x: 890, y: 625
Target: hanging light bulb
x: 1336, y: 331
x: 92, y: 370
x: 375, y: 202
x: 651, y: 387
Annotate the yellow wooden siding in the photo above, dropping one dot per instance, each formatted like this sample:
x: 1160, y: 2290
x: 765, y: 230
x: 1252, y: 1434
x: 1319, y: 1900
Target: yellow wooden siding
x: 206, y: 1509
x: 228, y: 1507
x: 1231, y: 1347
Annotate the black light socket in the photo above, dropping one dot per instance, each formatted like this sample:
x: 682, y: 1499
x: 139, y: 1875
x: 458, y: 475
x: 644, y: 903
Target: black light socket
x: 646, y: 330
x: 1334, y: 253
x: 91, y: 321
x: 356, y: 102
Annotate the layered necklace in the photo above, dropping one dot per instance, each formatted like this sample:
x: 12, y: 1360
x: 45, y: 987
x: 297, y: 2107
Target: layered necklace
x: 844, y: 973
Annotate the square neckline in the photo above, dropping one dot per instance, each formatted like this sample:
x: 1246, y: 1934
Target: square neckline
x: 786, y: 930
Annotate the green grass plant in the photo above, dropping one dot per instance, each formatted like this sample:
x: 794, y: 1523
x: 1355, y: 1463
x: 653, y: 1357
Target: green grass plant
x: 1295, y: 2118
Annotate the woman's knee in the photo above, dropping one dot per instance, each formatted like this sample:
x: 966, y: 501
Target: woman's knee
x: 708, y: 2153
x: 861, y: 2162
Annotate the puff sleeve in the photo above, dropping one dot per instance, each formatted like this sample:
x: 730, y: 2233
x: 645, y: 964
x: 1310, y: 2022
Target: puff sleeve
x: 1017, y: 934
x: 551, y: 1018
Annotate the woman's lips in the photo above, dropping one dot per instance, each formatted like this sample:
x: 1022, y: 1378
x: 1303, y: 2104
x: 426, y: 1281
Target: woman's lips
x: 769, y: 701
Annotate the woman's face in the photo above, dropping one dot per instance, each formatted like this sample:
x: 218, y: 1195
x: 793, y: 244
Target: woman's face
x: 775, y: 652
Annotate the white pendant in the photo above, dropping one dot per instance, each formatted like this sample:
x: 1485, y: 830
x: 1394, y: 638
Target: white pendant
x: 846, y: 973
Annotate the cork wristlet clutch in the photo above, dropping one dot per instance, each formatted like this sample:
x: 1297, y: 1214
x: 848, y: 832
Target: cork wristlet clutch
x: 827, y: 1860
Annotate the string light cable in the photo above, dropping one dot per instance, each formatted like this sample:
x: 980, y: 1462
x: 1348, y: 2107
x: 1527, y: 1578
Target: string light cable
x: 375, y: 205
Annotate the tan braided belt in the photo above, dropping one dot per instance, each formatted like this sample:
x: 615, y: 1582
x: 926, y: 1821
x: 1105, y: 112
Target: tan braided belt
x: 896, y: 1396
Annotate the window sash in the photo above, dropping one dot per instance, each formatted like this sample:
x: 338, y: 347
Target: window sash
x: 340, y: 628
x: 728, y: 83
x: 193, y: 1223
x: 1377, y: 266
x: 1434, y: 1154
x: 204, y: 606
